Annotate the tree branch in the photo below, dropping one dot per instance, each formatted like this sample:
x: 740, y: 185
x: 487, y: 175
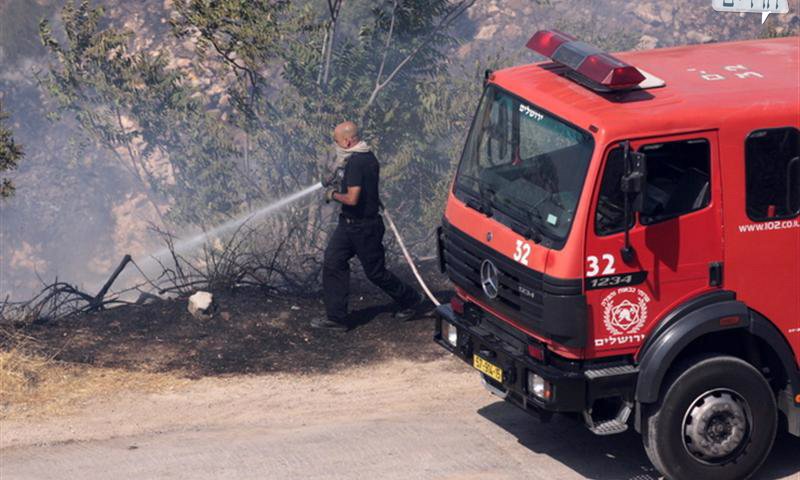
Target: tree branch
x: 386, y: 45
x: 323, y: 55
x: 446, y: 21
x: 335, y: 8
x: 136, y: 163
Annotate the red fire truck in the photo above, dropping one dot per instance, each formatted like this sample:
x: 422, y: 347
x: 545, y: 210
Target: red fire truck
x: 623, y: 234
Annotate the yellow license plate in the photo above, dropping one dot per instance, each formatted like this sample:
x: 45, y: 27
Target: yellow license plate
x: 488, y: 368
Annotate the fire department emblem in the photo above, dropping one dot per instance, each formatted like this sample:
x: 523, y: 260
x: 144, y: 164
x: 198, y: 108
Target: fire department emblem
x: 625, y: 311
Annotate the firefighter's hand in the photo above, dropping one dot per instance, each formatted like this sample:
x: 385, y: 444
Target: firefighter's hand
x: 329, y: 195
x: 329, y: 181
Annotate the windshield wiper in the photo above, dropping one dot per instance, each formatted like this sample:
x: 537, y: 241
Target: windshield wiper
x: 530, y: 230
x: 479, y: 206
x: 484, y: 203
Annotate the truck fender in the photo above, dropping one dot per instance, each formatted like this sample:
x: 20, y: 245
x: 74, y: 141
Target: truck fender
x: 668, y: 342
x: 700, y: 318
x: 769, y: 333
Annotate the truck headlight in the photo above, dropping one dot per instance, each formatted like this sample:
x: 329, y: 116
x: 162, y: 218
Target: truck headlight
x: 450, y: 333
x: 539, y: 387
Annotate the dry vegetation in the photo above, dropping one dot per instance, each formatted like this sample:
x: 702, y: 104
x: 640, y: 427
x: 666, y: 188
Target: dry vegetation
x: 33, y: 383
x: 54, y: 365
x: 45, y: 374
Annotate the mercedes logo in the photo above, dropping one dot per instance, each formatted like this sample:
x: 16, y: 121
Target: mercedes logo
x: 489, y: 279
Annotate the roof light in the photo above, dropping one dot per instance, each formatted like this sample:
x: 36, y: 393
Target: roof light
x: 610, y: 72
x: 603, y: 71
x: 546, y: 42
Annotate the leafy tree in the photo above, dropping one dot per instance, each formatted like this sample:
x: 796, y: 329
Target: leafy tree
x: 148, y: 116
x: 291, y: 71
x: 10, y: 154
x: 301, y: 69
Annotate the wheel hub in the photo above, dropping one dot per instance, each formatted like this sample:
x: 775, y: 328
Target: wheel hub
x: 717, y: 426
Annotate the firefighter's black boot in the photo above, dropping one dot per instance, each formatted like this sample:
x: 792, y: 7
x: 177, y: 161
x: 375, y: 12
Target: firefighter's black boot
x: 412, y: 311
x: 325, y: 324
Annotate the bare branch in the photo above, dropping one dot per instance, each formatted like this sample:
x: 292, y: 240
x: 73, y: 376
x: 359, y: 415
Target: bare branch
x: 136, y: 163
x: 386, y: 45
x: 335, y: 8
x: 445, y: 22
x: 323, y: 55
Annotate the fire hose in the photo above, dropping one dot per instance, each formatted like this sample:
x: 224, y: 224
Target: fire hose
x: 407, y: 256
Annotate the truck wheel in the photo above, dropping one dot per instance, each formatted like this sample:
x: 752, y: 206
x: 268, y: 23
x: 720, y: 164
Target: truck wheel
x: 717, y: 419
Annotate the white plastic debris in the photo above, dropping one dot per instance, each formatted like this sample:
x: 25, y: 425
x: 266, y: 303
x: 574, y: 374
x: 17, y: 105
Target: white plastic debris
x: 201, y: 305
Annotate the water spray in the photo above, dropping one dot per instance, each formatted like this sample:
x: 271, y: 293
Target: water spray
x: 184, y: 245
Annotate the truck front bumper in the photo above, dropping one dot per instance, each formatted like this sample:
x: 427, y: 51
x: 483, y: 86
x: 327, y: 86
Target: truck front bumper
x: 570, y: 386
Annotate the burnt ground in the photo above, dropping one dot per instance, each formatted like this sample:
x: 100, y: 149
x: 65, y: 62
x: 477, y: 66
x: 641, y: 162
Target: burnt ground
x: 251, y: 333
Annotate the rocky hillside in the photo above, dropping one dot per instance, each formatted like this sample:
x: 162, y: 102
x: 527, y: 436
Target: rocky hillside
x: 508, y: 24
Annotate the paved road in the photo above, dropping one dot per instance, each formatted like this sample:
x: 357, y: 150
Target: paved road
x: 443, y: 426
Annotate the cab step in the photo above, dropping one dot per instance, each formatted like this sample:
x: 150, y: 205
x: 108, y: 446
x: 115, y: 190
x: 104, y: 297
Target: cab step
x: 610, y: 372
x: 613, y: 426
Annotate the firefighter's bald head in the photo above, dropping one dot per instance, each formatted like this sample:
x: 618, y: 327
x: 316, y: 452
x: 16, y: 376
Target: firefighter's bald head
x: 346, y: 134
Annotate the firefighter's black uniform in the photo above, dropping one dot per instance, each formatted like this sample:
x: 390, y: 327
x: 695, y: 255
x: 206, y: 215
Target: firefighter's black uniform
x: 359, y: 233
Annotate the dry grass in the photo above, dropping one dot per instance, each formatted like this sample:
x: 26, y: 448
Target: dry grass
x: 33, y: 385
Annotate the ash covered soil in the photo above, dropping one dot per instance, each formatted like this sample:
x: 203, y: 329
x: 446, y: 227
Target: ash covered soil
x: 250, y: 333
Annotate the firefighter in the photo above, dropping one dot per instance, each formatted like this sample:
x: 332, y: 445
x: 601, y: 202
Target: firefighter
x: 359, y: 233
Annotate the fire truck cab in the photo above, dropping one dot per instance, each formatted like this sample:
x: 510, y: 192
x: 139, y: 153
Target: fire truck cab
x: 623, y: 235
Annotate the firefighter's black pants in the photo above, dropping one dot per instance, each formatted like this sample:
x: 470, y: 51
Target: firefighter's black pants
x: 363, y: 239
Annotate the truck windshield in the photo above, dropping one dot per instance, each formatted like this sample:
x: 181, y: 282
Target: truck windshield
x: 526, y: 164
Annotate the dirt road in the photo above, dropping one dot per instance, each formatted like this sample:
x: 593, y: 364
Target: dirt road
x: 394, y: 419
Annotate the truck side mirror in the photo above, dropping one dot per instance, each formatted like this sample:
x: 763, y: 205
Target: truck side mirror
x: 633, y: 185
x: 634, y: 182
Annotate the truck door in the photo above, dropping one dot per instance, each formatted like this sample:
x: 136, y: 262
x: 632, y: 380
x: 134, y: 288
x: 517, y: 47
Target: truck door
x: 763, y: 227
x: 677, y: 238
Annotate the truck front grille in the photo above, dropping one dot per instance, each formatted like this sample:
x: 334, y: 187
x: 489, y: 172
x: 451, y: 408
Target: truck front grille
x: 521, y: 290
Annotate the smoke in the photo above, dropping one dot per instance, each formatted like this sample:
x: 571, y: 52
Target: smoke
x: 189, y: 243
x: 77, y: 212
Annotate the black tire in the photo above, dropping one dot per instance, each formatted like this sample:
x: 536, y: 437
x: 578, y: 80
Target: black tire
x: 719, y: 392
